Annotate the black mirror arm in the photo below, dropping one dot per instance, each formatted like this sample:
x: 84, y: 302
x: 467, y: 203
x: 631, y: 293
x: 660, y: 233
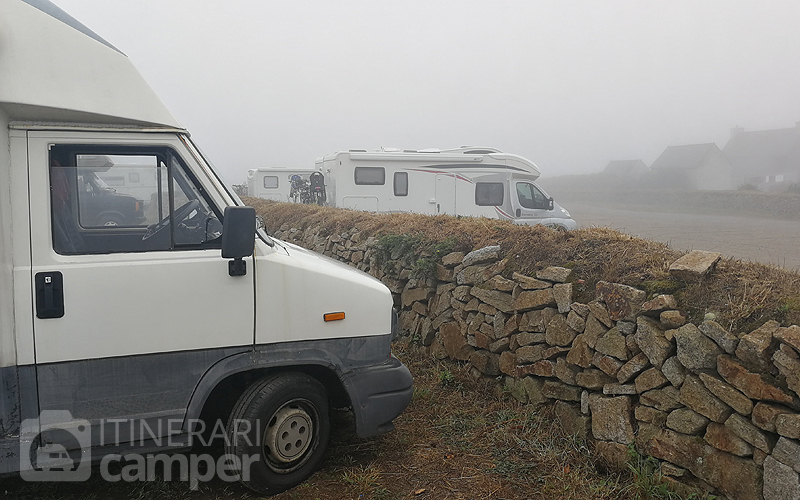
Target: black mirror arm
x: 237, y: 267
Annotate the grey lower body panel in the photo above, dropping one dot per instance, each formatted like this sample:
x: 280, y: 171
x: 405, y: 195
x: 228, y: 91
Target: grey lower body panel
x: 18, y: 402
x: 155, y: 395
x: 149, y: 393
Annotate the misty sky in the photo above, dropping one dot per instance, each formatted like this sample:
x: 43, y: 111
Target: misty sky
x: 570, y: 85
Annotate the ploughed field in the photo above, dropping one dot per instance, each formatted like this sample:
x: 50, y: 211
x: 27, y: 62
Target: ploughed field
x: 739, y: 235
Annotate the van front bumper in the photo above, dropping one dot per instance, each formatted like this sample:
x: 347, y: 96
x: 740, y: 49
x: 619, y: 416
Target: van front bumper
x: 378, y: 394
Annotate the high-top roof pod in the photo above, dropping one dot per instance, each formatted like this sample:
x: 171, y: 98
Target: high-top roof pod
x: 141, y: 309
x: 54, y: 67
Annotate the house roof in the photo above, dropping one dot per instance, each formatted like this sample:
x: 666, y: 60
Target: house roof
x: 625, y: 167
x: 764, y: 151
x: 685, y: 157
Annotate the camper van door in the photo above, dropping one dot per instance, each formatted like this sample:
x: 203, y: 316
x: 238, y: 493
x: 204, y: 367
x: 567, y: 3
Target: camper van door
x: 445, y: 194
x: 129, y: 332
x: 530, y: 202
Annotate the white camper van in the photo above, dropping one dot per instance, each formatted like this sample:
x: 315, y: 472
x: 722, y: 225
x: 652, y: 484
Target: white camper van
x: 180, y: 322
x: 277, y: 183
x: 465, y: 181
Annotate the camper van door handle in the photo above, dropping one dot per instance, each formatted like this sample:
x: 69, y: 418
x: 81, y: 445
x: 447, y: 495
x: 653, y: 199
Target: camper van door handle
x: 49, y: 295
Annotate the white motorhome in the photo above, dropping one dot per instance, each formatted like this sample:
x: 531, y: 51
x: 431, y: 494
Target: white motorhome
x: 275, y: 183
x: 465, y: 181
x: 143, y: 335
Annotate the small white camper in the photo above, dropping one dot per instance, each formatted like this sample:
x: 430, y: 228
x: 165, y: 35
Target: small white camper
x: 465, y: 181
x: 141, y: 309
x: 275, y: 183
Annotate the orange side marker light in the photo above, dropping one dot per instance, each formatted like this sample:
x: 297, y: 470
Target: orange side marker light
x: 333, y: 316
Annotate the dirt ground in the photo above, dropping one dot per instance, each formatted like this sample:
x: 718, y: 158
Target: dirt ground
x: 757, y: 239
x: 460, y: 438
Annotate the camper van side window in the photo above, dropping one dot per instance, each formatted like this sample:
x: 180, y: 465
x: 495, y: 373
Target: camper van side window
x: 401, y: 183
x: 488, y: 194
x: 529, y: 196
x: 370, y: 176
x: 94, y: 210
x: 271, y: 181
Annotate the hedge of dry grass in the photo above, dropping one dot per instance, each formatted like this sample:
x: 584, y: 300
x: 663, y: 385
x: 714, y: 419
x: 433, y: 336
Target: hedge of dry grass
x: 742, y: 295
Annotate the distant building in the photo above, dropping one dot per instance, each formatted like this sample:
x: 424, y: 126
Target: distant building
x: 768, y: 159
x: 694, y: 166
x: 631, y: 169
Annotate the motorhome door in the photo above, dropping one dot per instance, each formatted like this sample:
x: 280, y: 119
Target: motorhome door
x: 129, y: 315
x: 530, y: 202
x: 446, y: 194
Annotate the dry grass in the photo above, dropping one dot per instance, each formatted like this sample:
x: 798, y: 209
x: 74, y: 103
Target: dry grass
x: 742, y: 295
x: 460, y: 438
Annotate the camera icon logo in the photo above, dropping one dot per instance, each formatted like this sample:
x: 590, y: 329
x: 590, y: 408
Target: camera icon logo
x: 55, y: 448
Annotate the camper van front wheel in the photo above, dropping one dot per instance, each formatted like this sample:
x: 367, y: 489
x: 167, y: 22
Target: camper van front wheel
x: 282, y: 420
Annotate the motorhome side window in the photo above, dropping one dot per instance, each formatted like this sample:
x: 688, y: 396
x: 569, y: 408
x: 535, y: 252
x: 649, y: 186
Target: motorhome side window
x: 401, y: 183
x: 108, y: 200
x: 530, y: 197
x: 370, y: 176
x: 271, y: 181
x: 488, y: 193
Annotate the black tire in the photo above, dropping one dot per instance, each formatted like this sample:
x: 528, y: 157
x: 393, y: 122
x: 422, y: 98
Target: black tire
x: 110, y: 219
x: 287, y: 426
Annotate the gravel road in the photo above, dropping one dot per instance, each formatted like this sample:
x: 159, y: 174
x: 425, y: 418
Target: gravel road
x: 757, y: 239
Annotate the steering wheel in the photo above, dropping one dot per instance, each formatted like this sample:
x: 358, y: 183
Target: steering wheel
x: 180, y: 214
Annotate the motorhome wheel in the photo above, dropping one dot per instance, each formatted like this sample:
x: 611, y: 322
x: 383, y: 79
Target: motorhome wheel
x: 282, y: 419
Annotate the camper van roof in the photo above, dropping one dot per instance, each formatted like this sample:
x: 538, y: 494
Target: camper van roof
x: 458, y: 158
x: 282, y: 167
x: 472, y: 150
x: 56, y: 69
x: 467, y: 150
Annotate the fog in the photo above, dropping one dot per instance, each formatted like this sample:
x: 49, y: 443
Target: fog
x: 570, y: 85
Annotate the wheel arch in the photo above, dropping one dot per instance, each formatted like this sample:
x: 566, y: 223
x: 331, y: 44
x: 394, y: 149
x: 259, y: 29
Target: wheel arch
x: 223, y: 383
x: 105, y: 214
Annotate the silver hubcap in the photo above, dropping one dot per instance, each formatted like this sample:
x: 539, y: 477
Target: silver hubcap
x: 289, y: 434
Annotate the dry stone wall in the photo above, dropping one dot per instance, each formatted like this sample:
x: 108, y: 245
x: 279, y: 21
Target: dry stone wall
x: 718, y: 409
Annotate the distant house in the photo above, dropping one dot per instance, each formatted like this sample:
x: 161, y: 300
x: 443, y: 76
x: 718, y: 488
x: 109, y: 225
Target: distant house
x: 631, y: 169
x: 768, y: 159
x: 694, y: 166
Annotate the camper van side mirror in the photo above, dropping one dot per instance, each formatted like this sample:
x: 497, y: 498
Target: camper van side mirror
x: 238, y: 237
x: 550, y: 203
